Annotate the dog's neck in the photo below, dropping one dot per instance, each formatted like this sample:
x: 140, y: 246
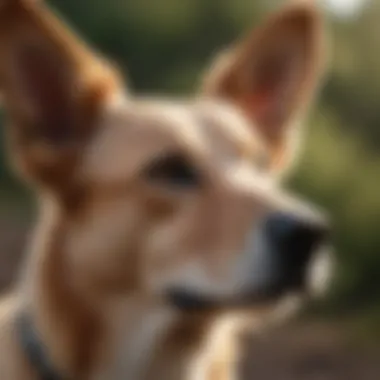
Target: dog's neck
x: 108, y: 338
x: 68, y: 326
x: 148, y: 342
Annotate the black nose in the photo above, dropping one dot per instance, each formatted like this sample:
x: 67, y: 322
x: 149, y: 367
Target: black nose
x: 295, y: 238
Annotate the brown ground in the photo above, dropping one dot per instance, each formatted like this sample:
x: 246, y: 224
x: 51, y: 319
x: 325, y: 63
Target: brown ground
x: 301, y: 352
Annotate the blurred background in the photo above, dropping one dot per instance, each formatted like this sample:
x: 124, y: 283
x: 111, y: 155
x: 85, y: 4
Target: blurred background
x: 164, y: 46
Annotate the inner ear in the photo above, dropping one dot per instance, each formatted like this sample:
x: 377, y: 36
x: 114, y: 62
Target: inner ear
x: 47, y: 74
x: 49, y: 93
x: 279, y: 72
x: 272, y: 75
x: 54, y: 88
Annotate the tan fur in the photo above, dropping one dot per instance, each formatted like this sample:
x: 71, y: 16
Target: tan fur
x: 109, y: 242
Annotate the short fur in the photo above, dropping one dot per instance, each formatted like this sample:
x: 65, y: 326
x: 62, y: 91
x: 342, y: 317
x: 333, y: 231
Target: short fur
x: 109, y: 242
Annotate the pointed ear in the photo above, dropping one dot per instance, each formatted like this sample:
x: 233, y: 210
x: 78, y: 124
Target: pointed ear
x: 52, y: 85
x: 273, y: 74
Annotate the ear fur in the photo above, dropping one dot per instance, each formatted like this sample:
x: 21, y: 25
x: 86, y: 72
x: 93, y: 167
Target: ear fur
x: 273, y: 74
x: 52, y: 85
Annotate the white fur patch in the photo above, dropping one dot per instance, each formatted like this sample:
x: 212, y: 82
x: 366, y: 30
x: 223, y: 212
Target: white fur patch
x: 136, y: 339
x: 220, y: 341
x: 136, y: 350
x: 320, y: 272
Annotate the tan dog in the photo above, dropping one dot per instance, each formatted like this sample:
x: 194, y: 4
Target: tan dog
x: 159, y: 219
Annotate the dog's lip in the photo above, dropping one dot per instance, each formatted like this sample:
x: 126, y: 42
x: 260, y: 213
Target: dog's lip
x: 187, y: 301
x: 192, y: 302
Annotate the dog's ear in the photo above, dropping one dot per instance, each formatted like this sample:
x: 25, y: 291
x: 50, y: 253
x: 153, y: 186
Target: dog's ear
x: 52, y: 87
x: 272, y: 75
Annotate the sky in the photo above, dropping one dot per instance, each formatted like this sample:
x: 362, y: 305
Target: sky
x: 345, y: 8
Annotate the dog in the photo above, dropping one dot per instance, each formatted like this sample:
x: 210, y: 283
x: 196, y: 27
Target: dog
x: 163, y: 226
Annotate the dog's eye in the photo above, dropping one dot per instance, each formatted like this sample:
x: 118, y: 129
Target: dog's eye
x: 173, y: 170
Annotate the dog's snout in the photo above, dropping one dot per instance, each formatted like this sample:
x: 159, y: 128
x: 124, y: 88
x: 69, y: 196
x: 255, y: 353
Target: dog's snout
x: 296, y: 237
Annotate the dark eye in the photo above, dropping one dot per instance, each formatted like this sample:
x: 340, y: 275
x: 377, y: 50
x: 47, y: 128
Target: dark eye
x: 173, y: 170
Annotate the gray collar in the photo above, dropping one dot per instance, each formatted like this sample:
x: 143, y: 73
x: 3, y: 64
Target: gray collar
x: 34, y: 349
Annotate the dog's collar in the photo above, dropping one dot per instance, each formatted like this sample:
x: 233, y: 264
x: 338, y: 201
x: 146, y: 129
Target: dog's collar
x: 34, y: 349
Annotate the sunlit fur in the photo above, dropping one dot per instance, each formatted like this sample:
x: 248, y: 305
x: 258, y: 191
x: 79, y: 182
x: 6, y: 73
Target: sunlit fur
x: 109, y: 242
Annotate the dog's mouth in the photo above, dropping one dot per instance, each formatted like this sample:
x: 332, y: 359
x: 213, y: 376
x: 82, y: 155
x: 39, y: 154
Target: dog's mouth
x: 192, y: 302
x: 307, y: 283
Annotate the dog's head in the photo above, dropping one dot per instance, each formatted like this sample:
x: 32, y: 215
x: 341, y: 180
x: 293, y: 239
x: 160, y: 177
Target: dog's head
x: 176, y: 200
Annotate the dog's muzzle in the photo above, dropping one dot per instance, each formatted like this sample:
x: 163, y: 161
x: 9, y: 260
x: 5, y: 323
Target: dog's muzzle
x: 292, y: 260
